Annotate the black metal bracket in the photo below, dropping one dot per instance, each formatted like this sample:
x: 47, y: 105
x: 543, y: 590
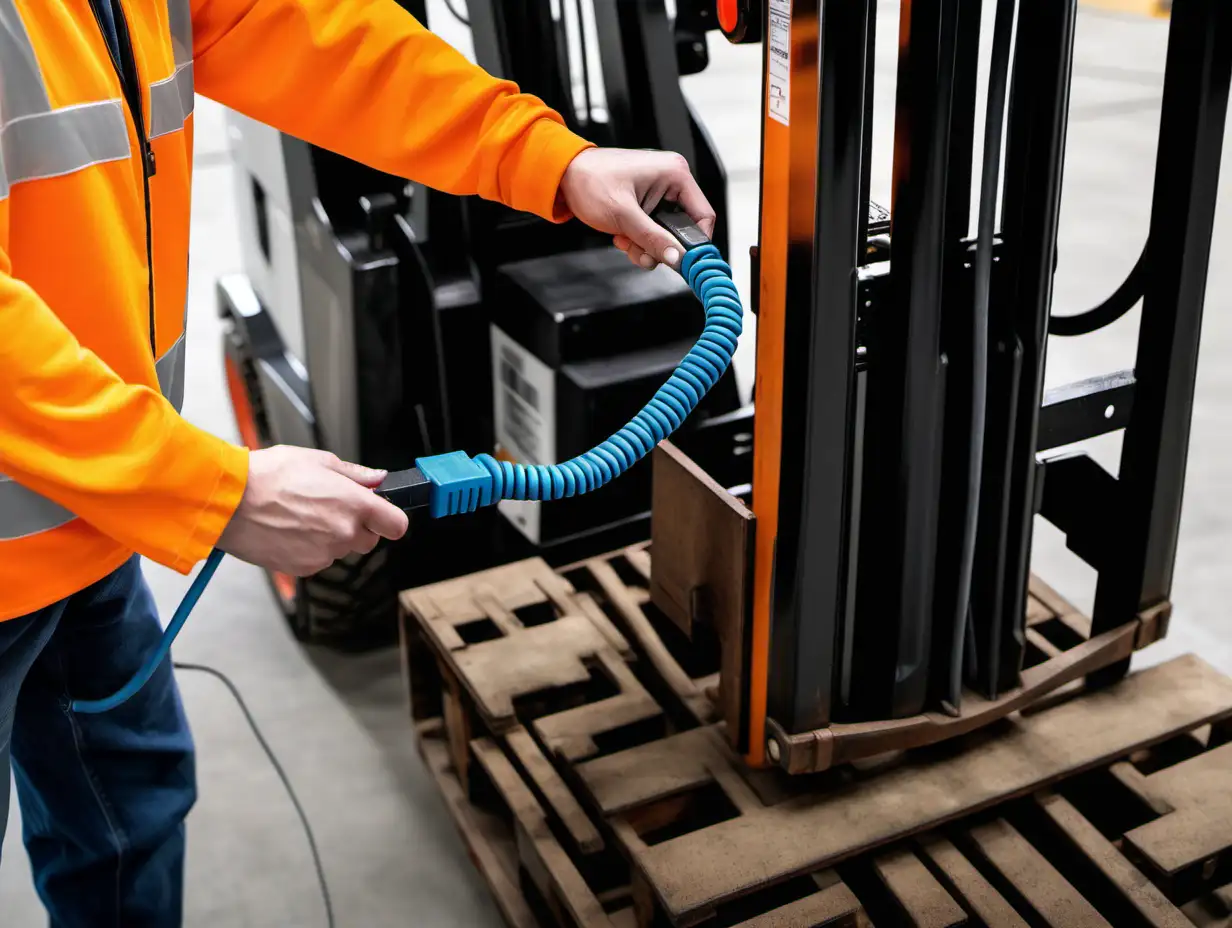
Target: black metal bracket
x: 1086, y: 409
x: 1080, y: 498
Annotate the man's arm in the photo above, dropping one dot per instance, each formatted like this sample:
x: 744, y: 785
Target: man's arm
x: 120, y: 457
x: 363, y: 78
x: 117, y: 455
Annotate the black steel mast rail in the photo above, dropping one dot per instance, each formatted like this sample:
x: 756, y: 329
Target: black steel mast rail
x: 811, y: 558
x: 1022, y: 300
x: 957, y: 330
x: 906, y: 384
x: 1151, y: 478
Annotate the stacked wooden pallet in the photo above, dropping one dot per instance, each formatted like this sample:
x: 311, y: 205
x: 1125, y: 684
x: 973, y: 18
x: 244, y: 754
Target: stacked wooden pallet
x: 571, y: 730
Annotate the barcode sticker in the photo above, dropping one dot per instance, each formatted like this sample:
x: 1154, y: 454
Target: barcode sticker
x: 511, y: 366
x: 523, y: 401
x: 524, y: 409
x: 778, y: 85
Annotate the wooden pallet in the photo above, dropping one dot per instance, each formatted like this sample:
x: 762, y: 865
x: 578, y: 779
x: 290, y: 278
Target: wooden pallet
x: 574, y: 742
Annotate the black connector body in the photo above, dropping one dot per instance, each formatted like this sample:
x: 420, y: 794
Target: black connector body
x: 407, y: 489
x: 677, y: 221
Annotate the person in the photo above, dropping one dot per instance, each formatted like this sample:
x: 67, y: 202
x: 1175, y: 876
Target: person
x: 97, y: 468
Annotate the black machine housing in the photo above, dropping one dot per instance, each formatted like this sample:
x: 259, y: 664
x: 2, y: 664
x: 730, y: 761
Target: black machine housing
x: 367, y: 314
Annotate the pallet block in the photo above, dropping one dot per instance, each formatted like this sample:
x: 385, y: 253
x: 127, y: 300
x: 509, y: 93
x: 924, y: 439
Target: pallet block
x: 600, y: 794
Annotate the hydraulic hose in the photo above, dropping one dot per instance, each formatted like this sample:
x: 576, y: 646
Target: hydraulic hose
x: 1123, y: 299
x: 448, y: 484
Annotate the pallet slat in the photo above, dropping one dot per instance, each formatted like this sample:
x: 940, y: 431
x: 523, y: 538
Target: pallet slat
x: 1051, y: 896
x: 833, y: 907
x: 544, y: 657
x: 924, y: 901
x: 554, y: 790
x: 571, y: 733
x: 702, y: 869
x: 664, y: 664
x: 1140, y: 892
x: 549, y: 866
x: 966, y: 881
x: 490, y: 845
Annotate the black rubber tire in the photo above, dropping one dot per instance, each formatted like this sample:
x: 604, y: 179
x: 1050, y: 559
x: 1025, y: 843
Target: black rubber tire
x: 352, y: 605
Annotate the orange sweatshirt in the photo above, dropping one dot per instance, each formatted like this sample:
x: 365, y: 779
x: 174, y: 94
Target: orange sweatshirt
x: 95, y: 186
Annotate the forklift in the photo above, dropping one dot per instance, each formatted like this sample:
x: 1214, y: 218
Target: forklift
x: 342, y: 263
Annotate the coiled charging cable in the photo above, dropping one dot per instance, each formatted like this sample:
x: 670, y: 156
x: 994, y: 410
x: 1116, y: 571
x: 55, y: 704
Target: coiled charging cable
x: 710, y: 278
x: 452, y: 483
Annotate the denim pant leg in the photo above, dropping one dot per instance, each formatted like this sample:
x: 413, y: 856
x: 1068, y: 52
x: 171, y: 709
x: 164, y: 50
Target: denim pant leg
x: 104, y: 797
x: 21, y: 641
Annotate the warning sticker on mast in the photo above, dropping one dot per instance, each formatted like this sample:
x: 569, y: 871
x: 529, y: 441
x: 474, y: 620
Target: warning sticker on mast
x: 778, y: 87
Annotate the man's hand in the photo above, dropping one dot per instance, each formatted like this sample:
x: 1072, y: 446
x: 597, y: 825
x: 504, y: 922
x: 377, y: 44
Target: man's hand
x: 613, y: 190
x: 303, y: 509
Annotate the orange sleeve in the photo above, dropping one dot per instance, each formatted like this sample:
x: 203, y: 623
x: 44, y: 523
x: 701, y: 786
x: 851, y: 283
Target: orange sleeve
x: 117, y: 455
x: 364, y: 79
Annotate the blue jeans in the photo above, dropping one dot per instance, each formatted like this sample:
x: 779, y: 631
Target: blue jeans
x: 103, y: 797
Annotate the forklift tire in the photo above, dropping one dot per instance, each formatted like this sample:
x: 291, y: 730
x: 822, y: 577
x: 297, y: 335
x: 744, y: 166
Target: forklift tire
x: 352, y: 604
x: 349, y: 606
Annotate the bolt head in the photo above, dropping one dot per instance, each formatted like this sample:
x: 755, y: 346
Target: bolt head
x: 772, y: 748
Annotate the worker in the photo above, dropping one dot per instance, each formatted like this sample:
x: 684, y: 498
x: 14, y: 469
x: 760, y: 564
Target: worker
x: 97, y: 468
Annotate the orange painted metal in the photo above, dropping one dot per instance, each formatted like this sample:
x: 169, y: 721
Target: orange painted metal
x: 788, y: 206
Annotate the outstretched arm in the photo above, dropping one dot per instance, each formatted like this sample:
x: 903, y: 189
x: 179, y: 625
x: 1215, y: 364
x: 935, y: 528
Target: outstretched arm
x: 363, y: 78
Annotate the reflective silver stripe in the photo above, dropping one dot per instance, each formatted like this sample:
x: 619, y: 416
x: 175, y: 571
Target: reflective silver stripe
x: 64, y: 140
x: 171, y: 101
x: 179, y: 17
x: 23, y: 512
x: 22, y: 91
x: 170, y: 368
x: 35, y: 140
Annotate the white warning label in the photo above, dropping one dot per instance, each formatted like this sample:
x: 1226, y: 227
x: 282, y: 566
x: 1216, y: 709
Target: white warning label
x: 778, y: 87
x: 524, y: 407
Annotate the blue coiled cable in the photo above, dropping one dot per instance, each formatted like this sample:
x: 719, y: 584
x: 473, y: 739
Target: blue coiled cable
x: 709, y: 276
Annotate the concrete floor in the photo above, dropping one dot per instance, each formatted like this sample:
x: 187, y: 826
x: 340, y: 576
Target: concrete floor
x: 338, y: 723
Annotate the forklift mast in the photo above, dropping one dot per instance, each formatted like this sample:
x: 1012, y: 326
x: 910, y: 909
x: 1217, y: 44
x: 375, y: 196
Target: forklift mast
x: 903, y: 440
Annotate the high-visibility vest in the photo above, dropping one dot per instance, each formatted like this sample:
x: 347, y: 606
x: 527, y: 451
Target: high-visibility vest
x: 95, y: 460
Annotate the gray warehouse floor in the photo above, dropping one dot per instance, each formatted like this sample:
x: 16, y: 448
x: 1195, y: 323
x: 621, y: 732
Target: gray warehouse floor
x: 338, y: 723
